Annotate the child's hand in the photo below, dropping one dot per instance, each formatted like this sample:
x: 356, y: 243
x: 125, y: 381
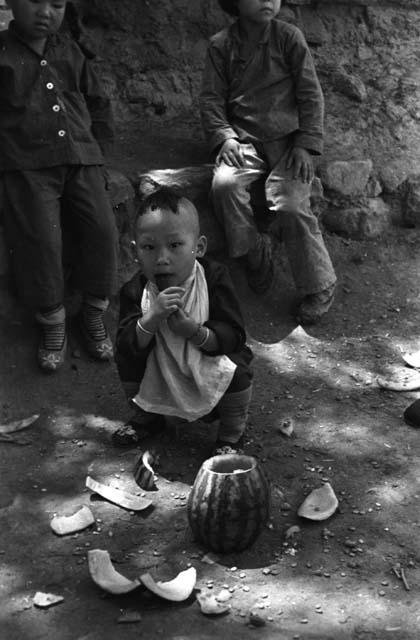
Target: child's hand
x: 300, y: 161
x: 167, y: 302
x: 231, y: 153
x: 181, y: 324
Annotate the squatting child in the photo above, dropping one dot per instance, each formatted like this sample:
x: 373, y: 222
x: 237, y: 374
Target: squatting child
x: 181, y: 345
x: 262, y: 111
x: 54, y: 119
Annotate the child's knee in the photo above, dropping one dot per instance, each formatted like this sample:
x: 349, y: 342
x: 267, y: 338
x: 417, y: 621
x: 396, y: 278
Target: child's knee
x: 225, y: 180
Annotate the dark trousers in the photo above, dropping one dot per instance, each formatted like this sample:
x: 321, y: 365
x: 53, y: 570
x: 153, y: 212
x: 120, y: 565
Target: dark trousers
x: 37, y: 206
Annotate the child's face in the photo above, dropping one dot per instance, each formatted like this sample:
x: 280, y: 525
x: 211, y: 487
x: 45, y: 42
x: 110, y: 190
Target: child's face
x: 259, y: 11
x: 167, y: 246
x: 37, y: 19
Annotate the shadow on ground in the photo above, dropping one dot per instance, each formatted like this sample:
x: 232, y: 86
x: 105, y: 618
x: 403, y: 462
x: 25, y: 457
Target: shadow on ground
x: 331, y: 580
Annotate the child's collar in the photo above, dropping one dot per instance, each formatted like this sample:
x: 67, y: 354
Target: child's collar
x: 51, y: 40
x: 265, y: 33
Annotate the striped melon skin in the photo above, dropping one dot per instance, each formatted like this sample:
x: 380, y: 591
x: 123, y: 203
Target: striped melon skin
x: 227, y: 510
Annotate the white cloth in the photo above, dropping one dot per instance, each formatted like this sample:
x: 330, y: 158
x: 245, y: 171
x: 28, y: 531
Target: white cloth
x: 180, y: 379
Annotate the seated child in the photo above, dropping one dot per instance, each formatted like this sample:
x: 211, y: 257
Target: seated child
x: 180, y: 346
x: 262, y: 112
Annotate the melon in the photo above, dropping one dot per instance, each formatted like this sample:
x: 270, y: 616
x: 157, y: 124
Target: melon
x: 229, y: 503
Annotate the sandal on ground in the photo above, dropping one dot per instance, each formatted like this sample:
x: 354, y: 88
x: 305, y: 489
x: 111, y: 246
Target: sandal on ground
x: 224, y: 448
x: 95, y: 336
x: 132, y: 433
x: 260, y: 278
x: 51, y: 359
x: 315, y: 306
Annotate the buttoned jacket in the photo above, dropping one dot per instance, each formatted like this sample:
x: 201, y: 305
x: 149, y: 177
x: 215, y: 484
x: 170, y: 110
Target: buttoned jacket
x: 53, y: 109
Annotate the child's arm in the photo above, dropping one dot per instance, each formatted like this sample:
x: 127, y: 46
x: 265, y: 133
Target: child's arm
x: 213, y: 98
x: 201, y: 336
x: 225, y: 315
x: 309, y: 98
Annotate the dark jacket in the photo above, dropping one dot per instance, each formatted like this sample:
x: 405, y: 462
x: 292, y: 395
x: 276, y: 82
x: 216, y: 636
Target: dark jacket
x: 270, y: 95
x: 225, y: 319
x: 53, y: 110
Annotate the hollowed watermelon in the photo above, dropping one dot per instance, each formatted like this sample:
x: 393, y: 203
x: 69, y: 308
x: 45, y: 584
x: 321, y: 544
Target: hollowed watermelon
x: 229, y: 503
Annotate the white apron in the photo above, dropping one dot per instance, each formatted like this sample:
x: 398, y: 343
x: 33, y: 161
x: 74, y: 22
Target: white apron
x: 180, y: 379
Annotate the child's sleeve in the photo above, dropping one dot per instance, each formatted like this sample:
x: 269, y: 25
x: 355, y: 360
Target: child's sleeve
x: 225, y: 315
x: 99, y: 105
x: 213, y: 99
x: 130, y: 311
x: 309, y: 96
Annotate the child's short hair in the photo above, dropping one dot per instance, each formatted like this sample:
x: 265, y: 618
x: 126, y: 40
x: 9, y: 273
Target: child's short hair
x: 230, y: 6
x: 169, y: 199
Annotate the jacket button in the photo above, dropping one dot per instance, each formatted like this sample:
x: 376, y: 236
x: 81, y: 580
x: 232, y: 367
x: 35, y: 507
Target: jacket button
x: 56, y: 108
x: 61, y: 133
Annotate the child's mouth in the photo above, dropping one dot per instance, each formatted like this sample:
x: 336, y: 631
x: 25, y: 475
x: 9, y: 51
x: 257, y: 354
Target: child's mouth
x: 163, y: 280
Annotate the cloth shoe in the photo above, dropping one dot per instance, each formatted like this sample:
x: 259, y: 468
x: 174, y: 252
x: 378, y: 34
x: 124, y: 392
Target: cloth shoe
x: 94, y: 332
x: 52, y: 346
x: 224, y: 448
x: 137, y: 429
x: 315, y: 305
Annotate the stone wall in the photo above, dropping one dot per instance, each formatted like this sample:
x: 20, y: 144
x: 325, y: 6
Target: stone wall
x: 150, y: 56
x: 366, y: 51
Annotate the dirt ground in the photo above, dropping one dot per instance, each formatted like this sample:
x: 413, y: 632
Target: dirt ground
x: 333, y: 580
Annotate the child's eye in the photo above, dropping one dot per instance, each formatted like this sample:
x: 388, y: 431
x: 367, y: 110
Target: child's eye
x: 175, y: 245
x: 146, y: 247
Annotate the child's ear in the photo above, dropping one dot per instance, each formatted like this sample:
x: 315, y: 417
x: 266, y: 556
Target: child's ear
x: 201, y: 246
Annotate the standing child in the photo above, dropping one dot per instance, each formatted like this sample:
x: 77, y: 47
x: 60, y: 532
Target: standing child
x: 262, y: 111
x: 180, y: 347
x: 54, y: 119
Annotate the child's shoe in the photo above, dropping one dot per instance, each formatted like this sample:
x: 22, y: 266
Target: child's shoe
x: 53, y: 344
x: 94, y: 332
x: 137, y: 429
x: 224, y: 448
x: 316, y: 305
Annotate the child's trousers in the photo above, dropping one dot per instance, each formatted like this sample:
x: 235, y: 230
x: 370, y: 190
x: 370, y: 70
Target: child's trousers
x: 289, y: 199
x: 36, y: 204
